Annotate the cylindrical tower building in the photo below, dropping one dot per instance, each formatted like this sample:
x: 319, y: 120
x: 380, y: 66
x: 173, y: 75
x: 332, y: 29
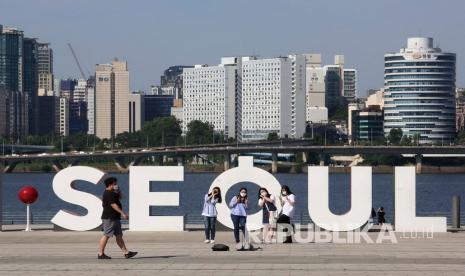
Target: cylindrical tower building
x: 419, y: 97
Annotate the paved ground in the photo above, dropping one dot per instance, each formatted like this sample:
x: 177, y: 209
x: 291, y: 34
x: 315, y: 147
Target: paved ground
x: 160, y: 253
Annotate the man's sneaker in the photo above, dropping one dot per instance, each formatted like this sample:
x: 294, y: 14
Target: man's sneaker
x: 130, y: 254
x: 103, y: 257
x: 206, y: 241
x: 212, y: 241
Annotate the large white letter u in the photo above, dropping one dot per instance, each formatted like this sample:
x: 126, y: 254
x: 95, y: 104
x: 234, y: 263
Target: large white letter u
x: 360, y: 198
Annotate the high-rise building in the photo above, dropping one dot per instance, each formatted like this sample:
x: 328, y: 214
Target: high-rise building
x: 136, y: 113
x: 176, y: 109
x: 57, y: 87
x: 248, y: 98
x: 272, y: 97
x: 91, y: 105
x: 67, y: 87
x: 366, y: 124
x: 4, y: 131
x: 171, y: 82
x: 209, y: 96
x: 334, y: 87
x: 316, y: 111
x: 49, y: 115
x: 419, y: 91
x: 350, y: 84
x: 30, y: 81
x: 156, y: 106
x: 80, y: 91
x: 45, y: 68
x: 64, y: 116
x: 111, y: 99
x: 18, y: 77
x: 460, y: 109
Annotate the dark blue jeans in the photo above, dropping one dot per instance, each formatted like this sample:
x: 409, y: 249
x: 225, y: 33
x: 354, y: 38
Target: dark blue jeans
x: 210, y: 229
x: 239, y: 224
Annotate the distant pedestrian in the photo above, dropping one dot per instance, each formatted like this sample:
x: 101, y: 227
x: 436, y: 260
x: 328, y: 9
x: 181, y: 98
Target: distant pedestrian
x: 287, y: 199
x: 267, y: 202
x: 239, y: 205
x: 381, y: 215
x: 111, y: 219
x: 372, y: 216
x: 209, y: 213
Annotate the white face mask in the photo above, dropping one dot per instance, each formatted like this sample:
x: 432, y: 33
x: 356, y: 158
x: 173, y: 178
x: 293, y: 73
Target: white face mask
x: 284, y: 193
x: 115, y: 188
x: 243, y: 194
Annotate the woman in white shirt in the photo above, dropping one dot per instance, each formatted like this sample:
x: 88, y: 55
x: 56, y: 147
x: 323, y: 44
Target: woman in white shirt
x: 267, y: 203
x: 287, y: 200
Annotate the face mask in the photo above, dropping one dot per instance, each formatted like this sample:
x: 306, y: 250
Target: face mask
x: 284, y: 193
x: 115, y: 188
x: 243, y: 194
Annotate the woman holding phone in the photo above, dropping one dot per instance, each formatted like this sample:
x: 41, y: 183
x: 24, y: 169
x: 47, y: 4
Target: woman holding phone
x: 239, y: 205
x: 209, y: 213
x: 287, y: 200
x: 267, y: 202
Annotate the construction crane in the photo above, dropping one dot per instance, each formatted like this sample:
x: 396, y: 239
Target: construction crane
x: 77, y: 61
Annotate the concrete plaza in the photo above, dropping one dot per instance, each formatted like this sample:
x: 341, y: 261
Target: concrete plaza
x: 44, y: 252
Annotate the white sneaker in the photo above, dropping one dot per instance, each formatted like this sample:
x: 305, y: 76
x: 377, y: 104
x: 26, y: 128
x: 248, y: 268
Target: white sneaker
x: 239, y: 246
x: 207, y: 241
x: 212, y: 241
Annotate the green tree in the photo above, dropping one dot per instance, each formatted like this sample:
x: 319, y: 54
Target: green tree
x: 128, y: 140
x: 273, y: 136
x: 460, y: 137
x: 199, y: 132
x: 164, y: 131
x: 395, y: 135
x: 406, y: 140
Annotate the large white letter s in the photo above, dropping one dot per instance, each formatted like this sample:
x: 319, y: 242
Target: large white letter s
x: 63, y: 187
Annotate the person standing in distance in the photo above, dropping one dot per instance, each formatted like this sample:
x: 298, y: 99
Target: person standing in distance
x: 111, y: 219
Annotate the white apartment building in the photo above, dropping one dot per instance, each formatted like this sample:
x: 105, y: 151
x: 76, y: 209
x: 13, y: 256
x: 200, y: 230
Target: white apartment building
x: 64, y: 116
x: 272, y: 98
x: 248, y: 98
x: 209, y: 95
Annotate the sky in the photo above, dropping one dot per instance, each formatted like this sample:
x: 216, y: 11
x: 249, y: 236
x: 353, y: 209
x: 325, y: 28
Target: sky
x: 153, y: 35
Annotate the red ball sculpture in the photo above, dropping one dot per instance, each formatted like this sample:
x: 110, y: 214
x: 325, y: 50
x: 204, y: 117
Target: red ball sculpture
x: 28, y: 195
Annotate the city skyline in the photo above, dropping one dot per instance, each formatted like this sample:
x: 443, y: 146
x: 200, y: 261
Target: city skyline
x: 185, y: 33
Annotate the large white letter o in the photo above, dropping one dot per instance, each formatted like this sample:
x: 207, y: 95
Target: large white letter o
x: 245, y: 172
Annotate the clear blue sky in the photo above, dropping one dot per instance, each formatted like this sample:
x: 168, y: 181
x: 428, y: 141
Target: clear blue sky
x: 152, y: 35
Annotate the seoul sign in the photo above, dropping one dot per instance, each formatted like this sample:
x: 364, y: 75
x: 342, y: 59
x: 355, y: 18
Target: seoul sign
x: 141, y: 199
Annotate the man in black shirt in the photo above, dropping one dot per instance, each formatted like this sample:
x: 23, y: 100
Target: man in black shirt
x: 111, y: 219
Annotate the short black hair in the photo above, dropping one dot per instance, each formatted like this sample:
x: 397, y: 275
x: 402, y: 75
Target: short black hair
x: 109, y: 181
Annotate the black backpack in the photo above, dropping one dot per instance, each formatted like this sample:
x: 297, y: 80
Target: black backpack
x: 220, y: 247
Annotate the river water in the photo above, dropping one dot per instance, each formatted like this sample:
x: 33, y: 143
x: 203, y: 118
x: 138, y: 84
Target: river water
x: 433, y: 194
